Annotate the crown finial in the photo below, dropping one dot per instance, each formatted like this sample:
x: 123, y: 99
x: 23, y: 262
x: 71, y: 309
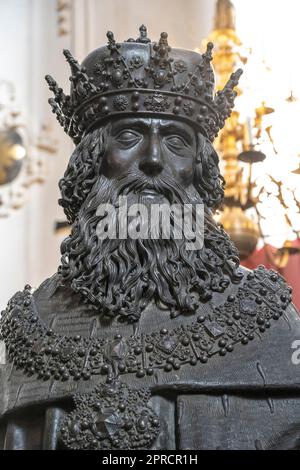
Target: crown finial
x: 234, y: 79
x: 143, y: 35
x: 113, y: 46
x: 162, y: 49
x: 208, y: 53
x: 53, y: 86
x: 75, y: 67
x: 56, y: 103
x: 224, y: 99
x: 111, y: 38
x: 163, y: 46
x: 56, y: 90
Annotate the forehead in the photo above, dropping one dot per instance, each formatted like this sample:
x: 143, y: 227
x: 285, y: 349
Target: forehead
x: 148, y: 124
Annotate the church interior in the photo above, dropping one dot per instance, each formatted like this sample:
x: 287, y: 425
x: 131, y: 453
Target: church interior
x: 259, y: 147
x: 182, y: 340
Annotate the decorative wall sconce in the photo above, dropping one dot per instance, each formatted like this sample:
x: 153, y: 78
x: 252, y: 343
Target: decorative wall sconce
x: 22, y: 161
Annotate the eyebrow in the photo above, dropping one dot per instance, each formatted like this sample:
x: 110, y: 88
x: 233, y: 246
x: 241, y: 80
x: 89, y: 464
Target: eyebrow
x: 177, y: 128
x: 136, y: 123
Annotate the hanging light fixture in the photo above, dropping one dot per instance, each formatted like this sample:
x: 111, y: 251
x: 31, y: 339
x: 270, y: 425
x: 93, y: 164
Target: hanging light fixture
x: 255, y: 195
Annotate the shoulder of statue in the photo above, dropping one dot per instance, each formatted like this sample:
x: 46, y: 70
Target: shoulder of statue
x: 254, y: 326
x: 265, y: 296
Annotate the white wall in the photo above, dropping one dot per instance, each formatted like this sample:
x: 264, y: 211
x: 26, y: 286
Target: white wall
x: 14, y: 64
x: 31, y: 48
x: 186, y: 21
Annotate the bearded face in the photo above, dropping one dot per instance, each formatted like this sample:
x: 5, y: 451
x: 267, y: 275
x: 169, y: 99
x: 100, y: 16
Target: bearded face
x: 148, y: 161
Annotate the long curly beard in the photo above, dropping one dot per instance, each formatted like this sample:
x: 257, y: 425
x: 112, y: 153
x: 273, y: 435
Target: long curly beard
x: 120, y: 277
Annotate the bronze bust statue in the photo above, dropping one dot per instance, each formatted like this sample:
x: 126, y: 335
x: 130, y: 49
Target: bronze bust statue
x: 139, y: 343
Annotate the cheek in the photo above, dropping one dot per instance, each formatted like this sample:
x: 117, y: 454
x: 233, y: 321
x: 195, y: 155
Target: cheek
x: 116, y: 162
x: 183, y: 170
x: 186, y: 173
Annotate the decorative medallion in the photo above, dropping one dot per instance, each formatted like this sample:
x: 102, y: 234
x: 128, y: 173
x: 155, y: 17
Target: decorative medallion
x: 136, y: 62
x: 199, y: 86
x: 120, y: 103
x: 188, y: 109
x: 111, y: 417
x: 99, y: 68
x: 118, y: 75
x: 157, y: 103
x: 180, y: 66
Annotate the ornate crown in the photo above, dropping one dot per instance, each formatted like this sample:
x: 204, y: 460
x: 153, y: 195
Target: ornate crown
x: 139, y: 77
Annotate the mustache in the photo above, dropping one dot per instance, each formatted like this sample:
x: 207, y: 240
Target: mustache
x: 132, y: 185
x: 135, y: 182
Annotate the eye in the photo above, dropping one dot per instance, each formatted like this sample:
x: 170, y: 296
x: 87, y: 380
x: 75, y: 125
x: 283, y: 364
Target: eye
x: 128, y: 138
x: 176, y: 142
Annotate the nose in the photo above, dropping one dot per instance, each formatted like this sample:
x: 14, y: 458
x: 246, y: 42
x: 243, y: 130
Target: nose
x: 151, y: 163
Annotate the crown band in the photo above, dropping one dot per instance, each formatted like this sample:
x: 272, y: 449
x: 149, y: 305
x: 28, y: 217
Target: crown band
x: 143, y: 102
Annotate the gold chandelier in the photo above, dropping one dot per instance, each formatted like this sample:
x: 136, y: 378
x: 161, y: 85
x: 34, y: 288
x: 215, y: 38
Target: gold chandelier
x: 243, y: 145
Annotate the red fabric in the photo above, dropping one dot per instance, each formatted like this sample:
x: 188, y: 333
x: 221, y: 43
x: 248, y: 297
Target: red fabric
x: 291, y: 271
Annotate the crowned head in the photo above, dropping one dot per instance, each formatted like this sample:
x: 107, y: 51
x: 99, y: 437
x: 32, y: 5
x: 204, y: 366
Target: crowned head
x: 143, y: 117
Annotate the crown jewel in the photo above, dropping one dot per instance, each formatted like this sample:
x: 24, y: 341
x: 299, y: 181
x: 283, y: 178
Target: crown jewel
x: 141, y: 77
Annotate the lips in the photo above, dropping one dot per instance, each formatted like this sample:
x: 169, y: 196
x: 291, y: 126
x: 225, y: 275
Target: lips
x: 149, y: 191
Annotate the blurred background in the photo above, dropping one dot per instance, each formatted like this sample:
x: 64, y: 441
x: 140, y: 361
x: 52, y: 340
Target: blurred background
x: 259, y: 147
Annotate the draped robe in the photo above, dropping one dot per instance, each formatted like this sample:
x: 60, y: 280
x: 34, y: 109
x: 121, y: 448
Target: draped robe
x: 246, y: 399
